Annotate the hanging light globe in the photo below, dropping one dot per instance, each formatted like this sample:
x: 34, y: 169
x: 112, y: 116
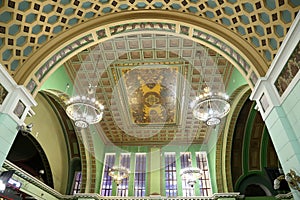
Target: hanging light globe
x: 211, y: 107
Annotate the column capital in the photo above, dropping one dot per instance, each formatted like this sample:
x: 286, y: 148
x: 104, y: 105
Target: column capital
x: 15, y: 100
x: 273, y: 89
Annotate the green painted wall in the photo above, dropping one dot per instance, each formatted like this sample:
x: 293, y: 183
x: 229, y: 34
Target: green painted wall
x: 58, y: 81
x: 284, y: 124
x: 8, y: 130
x: 99, y: 149
x: 291, y: 106
x: 155, y: 166
x: 236, y: 80
x: 211, y: 154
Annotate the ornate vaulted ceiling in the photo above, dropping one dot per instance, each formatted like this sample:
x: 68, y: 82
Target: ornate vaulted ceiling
x: 147, y: 83
x: 137, y: 73
x: 27, y: 25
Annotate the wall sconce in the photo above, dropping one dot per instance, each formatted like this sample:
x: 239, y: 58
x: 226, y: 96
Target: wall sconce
x: 291, y: 178
x: 25, y: 129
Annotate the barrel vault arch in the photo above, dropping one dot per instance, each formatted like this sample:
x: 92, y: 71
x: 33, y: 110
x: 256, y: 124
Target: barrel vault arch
x: 49, y: 57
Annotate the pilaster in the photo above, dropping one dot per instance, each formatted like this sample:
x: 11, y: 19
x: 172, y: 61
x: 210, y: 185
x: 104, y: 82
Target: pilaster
x: 15, y: 105
x: 276, y: 96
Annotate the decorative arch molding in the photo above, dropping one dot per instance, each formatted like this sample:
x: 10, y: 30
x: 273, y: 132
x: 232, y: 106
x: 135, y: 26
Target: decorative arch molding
x: 224, y: 144
x: 85, y: 146
x: 230, y: 45
x: 255, y: 178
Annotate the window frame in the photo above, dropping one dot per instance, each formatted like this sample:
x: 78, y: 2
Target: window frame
x: 105, y: 175
x: 76, y: 186
x: 168, y: 191
x: 140, y: 192
x: 123, y: 192
x: 185, y: 188
x: 205, y: 180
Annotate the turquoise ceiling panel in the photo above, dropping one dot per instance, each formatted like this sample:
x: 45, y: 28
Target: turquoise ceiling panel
x: 14, y: 64
x: 175, y: 6
x: 259, y: 30
x: 86, y: 5
x: 286, y: 16
x: 193, y: 9
x: 228, y: 11
x: 279, y: 31
x: 211, y: 4
x: 264, y: 17
x: 270, y: 4
x: 21, y: 41
x: 24, y: 5
x: 42, y: 39
x: 248, y: 7
x: 27, y: 51
x: 69, y: 11
x: 73, y: 21
x: 106, y: 10
x: 7, y: 54
x: 141, y: 5
x: 31, y: 18
x: 209, y: 14
x: 267, y: 54
x: 295, y: 2
x: 244, y: 19
x: 57, y: 29
x: 273, y: 43
x: 6, y: 17
x: 123, y: 7
x: 103, y: 1
x: 36, y: 29
x: 48, y: 8
x: 14, y: 29
x: 53, y: 19
x: 255, y: 41
x: 65, y: 2
x: 89, y: 15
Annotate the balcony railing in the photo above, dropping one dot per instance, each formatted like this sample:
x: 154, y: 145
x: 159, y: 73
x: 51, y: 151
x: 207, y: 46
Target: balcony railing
x: 25, y: 178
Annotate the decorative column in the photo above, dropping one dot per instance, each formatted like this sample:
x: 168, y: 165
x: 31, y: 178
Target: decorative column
x: 15, y: 103
x: 278, y: 100
x: 155, y: 172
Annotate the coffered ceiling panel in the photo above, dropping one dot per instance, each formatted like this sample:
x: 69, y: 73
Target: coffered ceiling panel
x: 147, y: 83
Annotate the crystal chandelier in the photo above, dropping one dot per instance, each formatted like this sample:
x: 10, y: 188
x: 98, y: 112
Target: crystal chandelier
x: 211, y: 107
x: 118, y: 173
x: 84, y: 109
x: 191, y: 175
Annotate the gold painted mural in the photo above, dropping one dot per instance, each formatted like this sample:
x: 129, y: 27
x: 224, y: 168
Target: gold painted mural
x: 151, y: 94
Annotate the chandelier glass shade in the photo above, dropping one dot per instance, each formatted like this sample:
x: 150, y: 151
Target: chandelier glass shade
x: 211, y: 107
x: 84, y: 110
x: 118, y: 173
x: 191, y: 175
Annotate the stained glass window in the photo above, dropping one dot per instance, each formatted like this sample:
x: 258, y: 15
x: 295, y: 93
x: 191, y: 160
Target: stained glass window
x: 140, y: 175
x: 106, y: 189
x: 170, y: 175
x: 204, y: 182
x: 186, y: 161
x: 77, y: 182
x: 123, y: 186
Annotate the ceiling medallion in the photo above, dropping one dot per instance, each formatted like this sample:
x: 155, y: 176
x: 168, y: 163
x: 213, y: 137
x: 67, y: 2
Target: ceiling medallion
x: 211, y: 107
x: 191, y: 175
x: 118, y: 173
x: 84, y: 109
